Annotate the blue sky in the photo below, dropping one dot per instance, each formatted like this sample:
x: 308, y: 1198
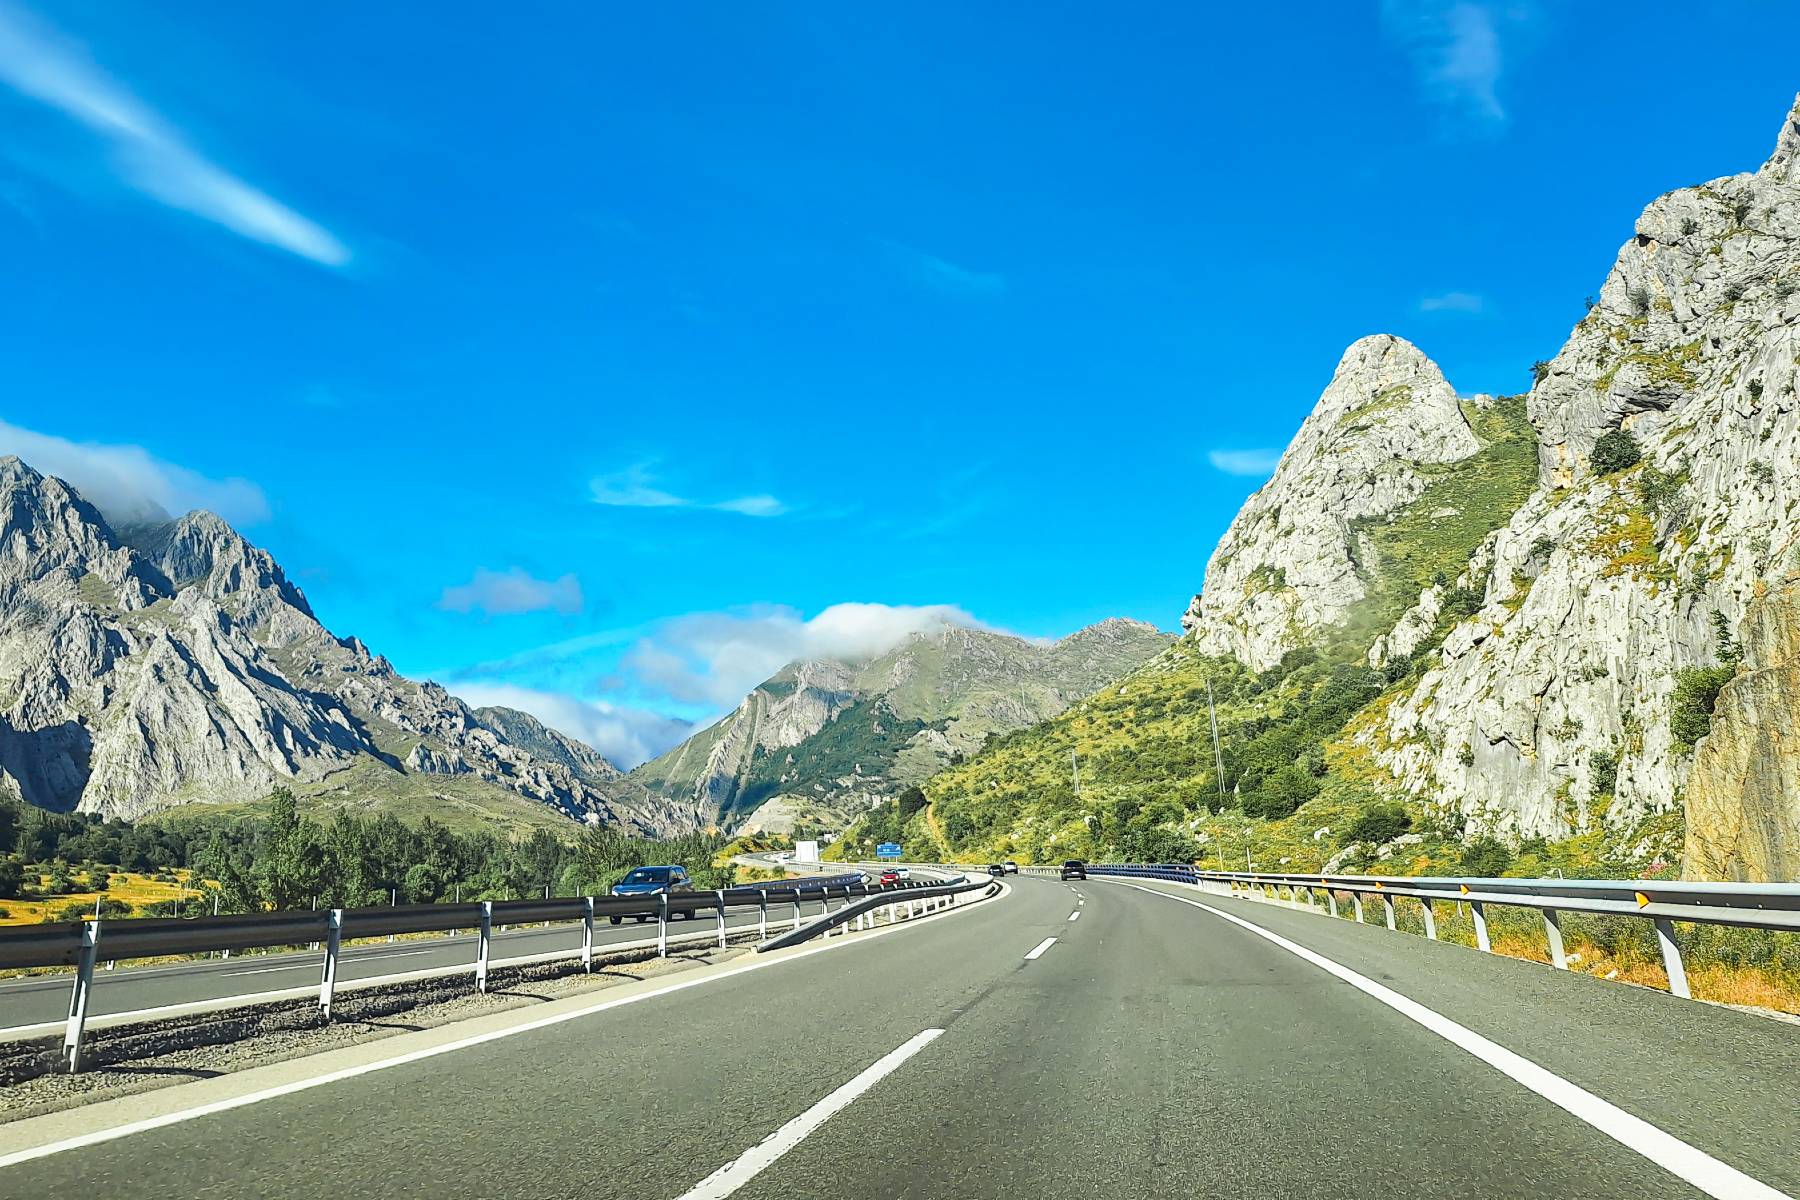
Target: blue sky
x: 597, y: 357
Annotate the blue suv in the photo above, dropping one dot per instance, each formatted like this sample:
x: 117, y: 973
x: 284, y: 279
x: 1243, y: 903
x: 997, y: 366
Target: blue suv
x: 652, y: 881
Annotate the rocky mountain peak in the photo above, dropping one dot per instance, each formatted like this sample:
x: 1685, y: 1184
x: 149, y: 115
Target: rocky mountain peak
x: 202, y: 550
x: 1288, y: 566
x: 1784, y: 164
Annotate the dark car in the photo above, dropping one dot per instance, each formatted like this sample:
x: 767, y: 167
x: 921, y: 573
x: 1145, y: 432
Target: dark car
x: 1074, y: 869
x: 996, y: 868
x: 652, y: 881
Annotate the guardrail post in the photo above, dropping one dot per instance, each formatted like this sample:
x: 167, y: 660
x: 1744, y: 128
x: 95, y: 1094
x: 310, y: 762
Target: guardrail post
x: 1478, y: 910
x: 482, y: 936
x: 334, y: 924
x: 78, y: 999
x: 796, y: 908
x: 1331, y: 899
x: 1671, y: 956
x: 1553, y: 931
x: 587, y: 935
x: 762, y: 914
x: 662, y: 925
x: 1430, y: 919
x: 1356, y: 899
x: 1387, y: 903
x: 721, y: 895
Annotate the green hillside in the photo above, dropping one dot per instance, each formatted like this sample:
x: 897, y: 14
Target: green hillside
x: 1149, y: 786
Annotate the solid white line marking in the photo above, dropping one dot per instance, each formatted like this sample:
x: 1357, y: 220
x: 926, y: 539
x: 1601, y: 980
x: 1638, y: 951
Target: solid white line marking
x: 1076, y: 915
x: 98, y: 1136
x: 748, y: 1165
x: 1667, y: 1151
x: 1041, y: 947
x: 313, y: 966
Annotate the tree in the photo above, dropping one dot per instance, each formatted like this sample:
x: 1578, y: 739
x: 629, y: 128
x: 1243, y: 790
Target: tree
x: 12, y: 878
x: 1691, y: 706
x: 1615, y: 450
x: 1603, y: 771
x: 287, y: 870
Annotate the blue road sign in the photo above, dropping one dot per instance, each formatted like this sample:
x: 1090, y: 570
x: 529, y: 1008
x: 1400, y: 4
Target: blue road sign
x: 888, y: 850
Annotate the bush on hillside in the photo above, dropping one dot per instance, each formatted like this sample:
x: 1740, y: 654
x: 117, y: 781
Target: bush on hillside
x: 1615, y: 450
x: 1691, y: 707
x: 1603, y: 770
x: 1380, y: 824
x: 12, y: 878
x: 1485, y: 857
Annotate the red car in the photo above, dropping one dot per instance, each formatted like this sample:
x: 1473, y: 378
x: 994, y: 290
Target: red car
x: 889, y: 876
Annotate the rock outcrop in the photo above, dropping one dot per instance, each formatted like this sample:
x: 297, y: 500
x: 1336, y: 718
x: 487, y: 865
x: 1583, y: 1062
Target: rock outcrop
x: 1743, y: 794
x: 1614, y: 577
x: 822, y: 740
x: 186, y: 667
x: 1290, y: 565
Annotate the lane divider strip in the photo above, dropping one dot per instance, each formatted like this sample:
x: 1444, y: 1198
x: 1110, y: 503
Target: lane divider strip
x: 1040, y: 948
x: 1685, y: 1162
x: 112, y: 1133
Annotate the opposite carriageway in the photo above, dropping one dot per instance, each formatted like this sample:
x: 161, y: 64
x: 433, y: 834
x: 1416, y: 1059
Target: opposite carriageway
x: 84, y: 945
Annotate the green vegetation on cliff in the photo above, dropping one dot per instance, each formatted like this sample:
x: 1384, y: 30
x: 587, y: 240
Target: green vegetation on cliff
x: 1149, y: 783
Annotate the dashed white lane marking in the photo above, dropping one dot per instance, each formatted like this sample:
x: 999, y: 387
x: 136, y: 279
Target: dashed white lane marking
x: 1666, y: 1150
x: 1040, y: 948
x: 742, y: 1169
x: 1076, y: 915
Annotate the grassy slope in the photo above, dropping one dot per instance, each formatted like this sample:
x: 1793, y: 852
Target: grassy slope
x: 368, y: 789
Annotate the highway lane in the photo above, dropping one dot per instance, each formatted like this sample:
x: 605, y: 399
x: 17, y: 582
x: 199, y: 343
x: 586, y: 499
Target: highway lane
x: 30, y: 1001
x: 1149, y: 1049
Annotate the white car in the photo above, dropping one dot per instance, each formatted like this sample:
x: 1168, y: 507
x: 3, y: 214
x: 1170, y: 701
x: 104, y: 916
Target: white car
x: 903, y: 872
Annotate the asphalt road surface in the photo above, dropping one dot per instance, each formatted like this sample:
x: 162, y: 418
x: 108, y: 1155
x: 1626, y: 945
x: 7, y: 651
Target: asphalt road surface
x: 1067, y: 1040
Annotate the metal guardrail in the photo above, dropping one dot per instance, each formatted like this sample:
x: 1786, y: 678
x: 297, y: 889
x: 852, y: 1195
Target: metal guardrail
x: 82, y: 944
x: 1744, y: 905
x: 928, y: 898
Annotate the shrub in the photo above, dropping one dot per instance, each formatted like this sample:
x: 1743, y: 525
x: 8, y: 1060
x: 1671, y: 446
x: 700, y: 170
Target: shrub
x: 12, y: 878
x: 1691, y: 707
x: 1756, y: 389
x: 1639, y: 299
x: 1740, y: 212
x: 61, y: 882
x: 98, y: 880
x: 1689, y: 226
x: 1591, y: 303
x: 1544, y: 547
x: 1603, y: 769
x: 1460, y: 603
x: 1615, y: 450
x: 1383, y: 823
x: 1486, y: 856
x: 1540, y: 371
x: 1734, y: 292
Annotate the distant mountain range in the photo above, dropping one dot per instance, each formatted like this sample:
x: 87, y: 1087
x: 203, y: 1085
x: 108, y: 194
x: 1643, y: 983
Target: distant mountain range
x: 173, y: 663
x: 822, y: 740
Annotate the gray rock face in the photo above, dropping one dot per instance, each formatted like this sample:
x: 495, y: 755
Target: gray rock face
x: 1603, y: 587
x: 829, y: 738
x: 1288, y: 566
x: 187, y: 667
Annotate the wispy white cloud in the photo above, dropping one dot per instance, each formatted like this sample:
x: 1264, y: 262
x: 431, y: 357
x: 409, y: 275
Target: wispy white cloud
x: 1455, y: 46
x: 1251, y: 463
x: 625, y: 736
x: 1458, y: 302
x: 515, y: 590
x: 147, y: 152
x: 715, y: 658
x: 944, y: 275
x: 636, y: 487
x: 129, y: 484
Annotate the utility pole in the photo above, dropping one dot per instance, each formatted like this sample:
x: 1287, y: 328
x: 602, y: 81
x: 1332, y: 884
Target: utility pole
x: 1212, y: 717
